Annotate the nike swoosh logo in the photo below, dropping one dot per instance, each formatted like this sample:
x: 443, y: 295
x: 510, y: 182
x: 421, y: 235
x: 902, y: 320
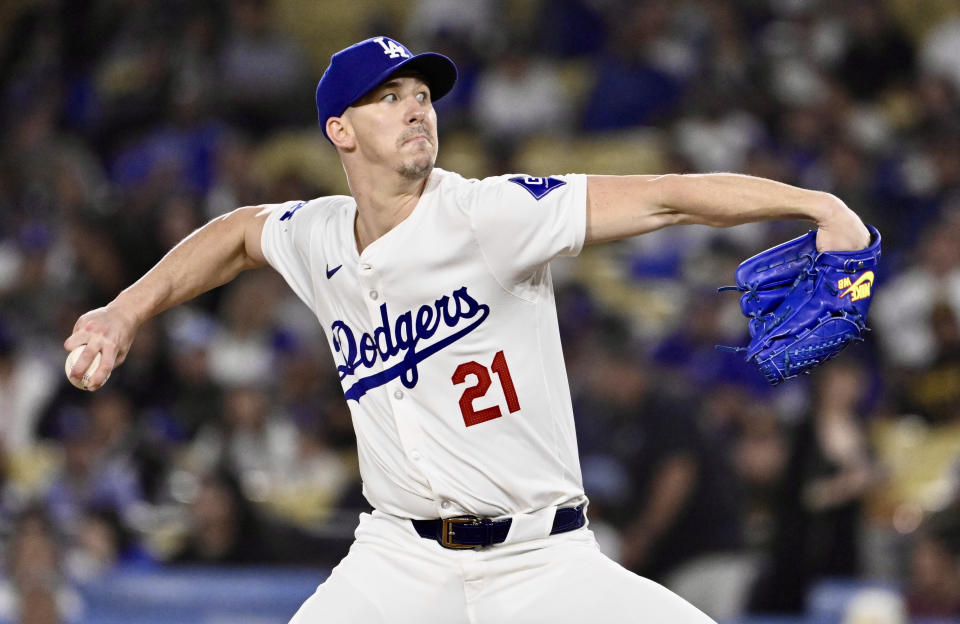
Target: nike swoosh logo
x: 865, y: 278
x: 289, y: 214
x: 330, y: 271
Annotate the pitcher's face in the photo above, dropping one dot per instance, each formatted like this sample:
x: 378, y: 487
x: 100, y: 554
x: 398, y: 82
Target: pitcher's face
x: 395, y: 124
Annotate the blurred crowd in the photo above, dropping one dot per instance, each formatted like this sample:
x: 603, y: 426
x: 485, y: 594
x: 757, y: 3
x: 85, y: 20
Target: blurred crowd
x: 225, y: 439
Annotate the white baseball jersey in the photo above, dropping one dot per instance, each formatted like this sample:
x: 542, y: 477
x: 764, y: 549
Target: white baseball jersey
x: 444, y: 334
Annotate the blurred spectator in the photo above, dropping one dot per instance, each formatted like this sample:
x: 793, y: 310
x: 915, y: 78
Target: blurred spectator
x: 878, y: 54
x: 633, y: 86
x: 101, y: 267
x: 262, y: 71
x: 177, y: 155
x: 519, y: 95
x: 473, y: 22
x: 902, y: 312
x: 820, y: 495
x: 311, y: 386
x: 313, y: 479
x: 103, y: 542
x: 846, y: 173
x: 201, y: 32
x: 236, y: 181
x: 934, y: 580
x: 35, y: 588
x: 650, y: 428
x: 729, y: 67
x: 36, y: 280
x: 877, y: 606
x: 225, y: 529
x: 133, y: 77
x: 195, y: 398
x: 556, y: 20
x: 744, y: 451
x: 250, y: 438
x: 4, y: 489
x: 802, y: 132
x: 26, y: 384
x: 240, y: 351
x: 934, y: 106
x: 717, y: 136
x: 800, y: 45
x: 759, y: 453
x: 38, y: 605
x: 940, y: 50
x: 933, y: 392
x: 91, y: 478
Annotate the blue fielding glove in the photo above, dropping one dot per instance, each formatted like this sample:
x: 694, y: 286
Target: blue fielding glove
x: 766, y: 278
x: 804, y: 307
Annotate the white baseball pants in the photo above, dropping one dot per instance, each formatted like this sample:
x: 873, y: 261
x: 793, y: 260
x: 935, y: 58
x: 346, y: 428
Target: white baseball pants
x: 393, y: 576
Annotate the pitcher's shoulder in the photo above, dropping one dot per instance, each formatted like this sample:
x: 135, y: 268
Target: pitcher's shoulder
x: 317, y: 209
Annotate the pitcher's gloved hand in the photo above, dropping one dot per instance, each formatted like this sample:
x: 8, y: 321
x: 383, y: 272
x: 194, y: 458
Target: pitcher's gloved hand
x: 804, y: 306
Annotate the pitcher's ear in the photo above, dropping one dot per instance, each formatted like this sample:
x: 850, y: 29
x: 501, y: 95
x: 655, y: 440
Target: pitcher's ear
x: 340, y: 132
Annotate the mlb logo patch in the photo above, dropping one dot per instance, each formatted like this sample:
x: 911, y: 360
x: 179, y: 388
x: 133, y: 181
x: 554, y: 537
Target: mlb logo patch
x: 538, y: 187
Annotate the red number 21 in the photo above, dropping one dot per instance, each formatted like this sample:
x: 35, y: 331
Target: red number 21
x: 470, y: 415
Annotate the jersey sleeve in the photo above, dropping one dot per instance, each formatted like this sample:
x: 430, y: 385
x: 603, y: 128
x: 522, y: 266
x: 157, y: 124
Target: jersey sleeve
x: 523, y: 222
x: 286, y: 241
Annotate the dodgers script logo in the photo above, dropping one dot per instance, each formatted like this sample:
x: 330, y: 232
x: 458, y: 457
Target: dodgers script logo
x: 401, y: 337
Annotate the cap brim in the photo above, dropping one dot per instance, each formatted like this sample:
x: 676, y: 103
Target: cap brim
x: 439, y: 72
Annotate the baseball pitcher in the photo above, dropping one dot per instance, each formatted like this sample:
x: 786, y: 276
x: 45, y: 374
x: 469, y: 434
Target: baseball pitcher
x: 435, y: 295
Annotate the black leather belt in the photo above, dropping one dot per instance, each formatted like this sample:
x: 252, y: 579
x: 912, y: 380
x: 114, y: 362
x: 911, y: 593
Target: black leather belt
x: 462, y: 532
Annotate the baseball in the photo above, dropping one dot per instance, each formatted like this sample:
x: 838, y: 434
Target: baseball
x: 72, y: 359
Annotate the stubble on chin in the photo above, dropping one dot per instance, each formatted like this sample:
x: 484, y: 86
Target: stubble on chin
x: 420, y: 166
x: 416, y: 170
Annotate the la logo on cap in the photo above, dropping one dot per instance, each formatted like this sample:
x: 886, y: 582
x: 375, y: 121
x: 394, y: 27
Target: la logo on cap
x: 392, y: 48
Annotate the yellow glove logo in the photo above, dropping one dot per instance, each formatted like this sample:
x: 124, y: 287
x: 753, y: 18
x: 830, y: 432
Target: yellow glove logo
x: 857, y: 290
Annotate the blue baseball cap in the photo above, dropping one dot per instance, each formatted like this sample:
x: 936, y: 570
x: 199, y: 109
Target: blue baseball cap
x: 356, y: 70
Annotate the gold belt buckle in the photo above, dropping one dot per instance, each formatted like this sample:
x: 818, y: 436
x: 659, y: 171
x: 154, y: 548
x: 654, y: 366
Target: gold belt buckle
x: 446, y: 532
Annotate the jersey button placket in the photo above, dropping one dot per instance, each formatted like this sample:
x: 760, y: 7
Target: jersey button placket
x: 401, y: 406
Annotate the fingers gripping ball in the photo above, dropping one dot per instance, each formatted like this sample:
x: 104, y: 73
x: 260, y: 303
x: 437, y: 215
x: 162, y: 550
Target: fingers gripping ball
x: 816, y: 305
x: 71, y: 362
